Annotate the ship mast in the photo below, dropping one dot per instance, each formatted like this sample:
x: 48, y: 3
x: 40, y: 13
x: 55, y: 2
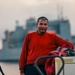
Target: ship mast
x: 17, y: 23
x: 59, y: 12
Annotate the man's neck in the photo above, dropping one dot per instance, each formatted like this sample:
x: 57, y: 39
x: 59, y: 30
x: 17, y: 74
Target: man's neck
x: 41, y: 33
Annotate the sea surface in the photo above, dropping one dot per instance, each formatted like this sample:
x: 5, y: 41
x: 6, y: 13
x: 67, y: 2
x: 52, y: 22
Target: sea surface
x: 10, y: 68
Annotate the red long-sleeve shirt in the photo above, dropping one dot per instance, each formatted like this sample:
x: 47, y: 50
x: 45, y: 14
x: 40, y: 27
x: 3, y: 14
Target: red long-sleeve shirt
x: 36, y: 45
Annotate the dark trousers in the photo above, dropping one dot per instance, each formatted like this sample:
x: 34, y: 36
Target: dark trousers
x: 31, y: 70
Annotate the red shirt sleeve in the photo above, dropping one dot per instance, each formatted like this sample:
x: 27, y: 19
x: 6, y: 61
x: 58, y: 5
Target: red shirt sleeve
x: 60, y: 41
x: 23, y: 55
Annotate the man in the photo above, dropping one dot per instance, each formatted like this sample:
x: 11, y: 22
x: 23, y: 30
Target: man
x: 38, y: 44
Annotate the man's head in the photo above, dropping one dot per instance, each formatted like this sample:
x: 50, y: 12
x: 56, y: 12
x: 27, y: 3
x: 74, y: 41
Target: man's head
x: 42, y: 25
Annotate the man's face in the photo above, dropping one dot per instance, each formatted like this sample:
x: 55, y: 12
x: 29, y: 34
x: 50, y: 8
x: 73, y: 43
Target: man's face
x: 42, y: 26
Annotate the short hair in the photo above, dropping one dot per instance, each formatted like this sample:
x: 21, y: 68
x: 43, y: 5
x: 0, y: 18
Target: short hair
x: 42, y: 18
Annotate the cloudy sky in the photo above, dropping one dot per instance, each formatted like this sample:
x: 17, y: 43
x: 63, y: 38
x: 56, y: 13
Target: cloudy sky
x: 12, y: 10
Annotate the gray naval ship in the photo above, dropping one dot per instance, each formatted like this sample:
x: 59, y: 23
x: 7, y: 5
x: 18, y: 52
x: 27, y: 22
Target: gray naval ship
x: 12, y: 44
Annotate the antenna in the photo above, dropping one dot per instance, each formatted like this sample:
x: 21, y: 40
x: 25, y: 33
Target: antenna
x: 61, y: 13
x: 58, y: 12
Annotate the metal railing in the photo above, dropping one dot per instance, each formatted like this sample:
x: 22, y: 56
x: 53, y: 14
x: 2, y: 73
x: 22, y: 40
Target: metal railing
x: 1, y: 71
x: 42, y: 57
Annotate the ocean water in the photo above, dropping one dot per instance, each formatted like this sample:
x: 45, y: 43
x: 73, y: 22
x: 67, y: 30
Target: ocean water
x: 10, y: 68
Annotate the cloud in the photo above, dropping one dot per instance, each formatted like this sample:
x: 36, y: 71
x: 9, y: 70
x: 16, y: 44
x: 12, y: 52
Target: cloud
x: 69, y: 1
x: 34, y: 2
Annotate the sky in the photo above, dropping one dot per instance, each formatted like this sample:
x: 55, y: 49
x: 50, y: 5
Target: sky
x: 21, y: 10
